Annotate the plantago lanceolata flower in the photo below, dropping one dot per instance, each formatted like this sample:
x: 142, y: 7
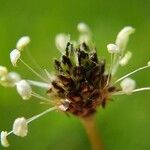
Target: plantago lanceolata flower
x: 81, y: 84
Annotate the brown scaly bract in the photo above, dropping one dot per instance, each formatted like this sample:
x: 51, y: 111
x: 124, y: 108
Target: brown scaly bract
x: 83, y: 85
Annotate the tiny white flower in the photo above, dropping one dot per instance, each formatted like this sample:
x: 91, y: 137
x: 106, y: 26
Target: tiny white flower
x: 4, y: 140
x: 148, y: 63
x: 128, y: 85
x: 82, y: 27
x: 125, y: 59
x: 24, y: 89
x: 23, y: 42
x: 112, y: 48
x: 14, y: 56
x: 3, y: 71
x: 20, y: 127
x: 61, y: 41
x: 123, y: 37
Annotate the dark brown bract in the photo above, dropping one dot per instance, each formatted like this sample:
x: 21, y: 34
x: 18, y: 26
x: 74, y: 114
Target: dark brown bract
x: 81, y: 83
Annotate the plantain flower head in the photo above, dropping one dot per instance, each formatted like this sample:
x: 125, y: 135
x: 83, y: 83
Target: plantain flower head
x: 82, y: 83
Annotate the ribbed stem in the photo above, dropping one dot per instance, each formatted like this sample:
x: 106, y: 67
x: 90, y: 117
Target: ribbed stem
x: 90, y: 127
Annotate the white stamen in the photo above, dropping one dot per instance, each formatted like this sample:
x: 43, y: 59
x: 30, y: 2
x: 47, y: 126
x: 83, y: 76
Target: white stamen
x: 125, y: 59
x: 24, y: 89
x: 3, y: 71
x: 40, y: 84
x: 61, y: 41
x: 139, y: 69
x: 14, y: 56
x: 128, y: 85
x: 141, y: 89
x: 134, y: 91
x: 20, y: 127
x: 40, y: 97
x: 110, y: 69
x: 23, y: 42
x: 41, y: 114
x: 123, y: 37
x: 10, y: 79
x: 37, y: 74
x: 82, y: 27
x: 4, y: 140
x: 113, y: 48
x: 50, y: 76
x: 148, y: 63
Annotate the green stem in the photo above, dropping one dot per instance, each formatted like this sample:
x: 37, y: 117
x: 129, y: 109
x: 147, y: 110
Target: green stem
x: 90, y: 127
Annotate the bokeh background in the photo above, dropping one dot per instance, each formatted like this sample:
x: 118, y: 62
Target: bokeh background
x: 125, y: 123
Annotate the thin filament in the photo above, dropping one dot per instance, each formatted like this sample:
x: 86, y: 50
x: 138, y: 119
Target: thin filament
x: 110, y: 69
x: 39, y: 84
x: 40, y: 97
x: 139, y: 69
x: 37, y: 74
x: 134, y: 91
x: 34, y: 62
x: 41, y: 114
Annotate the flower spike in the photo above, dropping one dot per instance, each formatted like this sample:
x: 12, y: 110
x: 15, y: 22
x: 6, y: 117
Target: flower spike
x: 81, y: 83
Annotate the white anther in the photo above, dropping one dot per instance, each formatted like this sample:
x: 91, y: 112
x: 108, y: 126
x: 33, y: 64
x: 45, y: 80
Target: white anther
x: 61, y: 41
x: 82, y: 27
x: 24, y: 89
x: 123, y: 36
x: 20, y: 127
x: 14, y: 56
x: 3, y: 71
x: 4, y: 140
x: 124, y: 61
x: 128, y: 85
x: 23, y: 42
x: 10, y: 79
x: 112, y: 48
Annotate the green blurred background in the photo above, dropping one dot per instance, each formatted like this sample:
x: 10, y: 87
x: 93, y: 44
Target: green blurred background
x: 125, y: 123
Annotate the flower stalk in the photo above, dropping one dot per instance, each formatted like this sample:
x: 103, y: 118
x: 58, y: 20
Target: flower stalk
x: 89, y: 124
